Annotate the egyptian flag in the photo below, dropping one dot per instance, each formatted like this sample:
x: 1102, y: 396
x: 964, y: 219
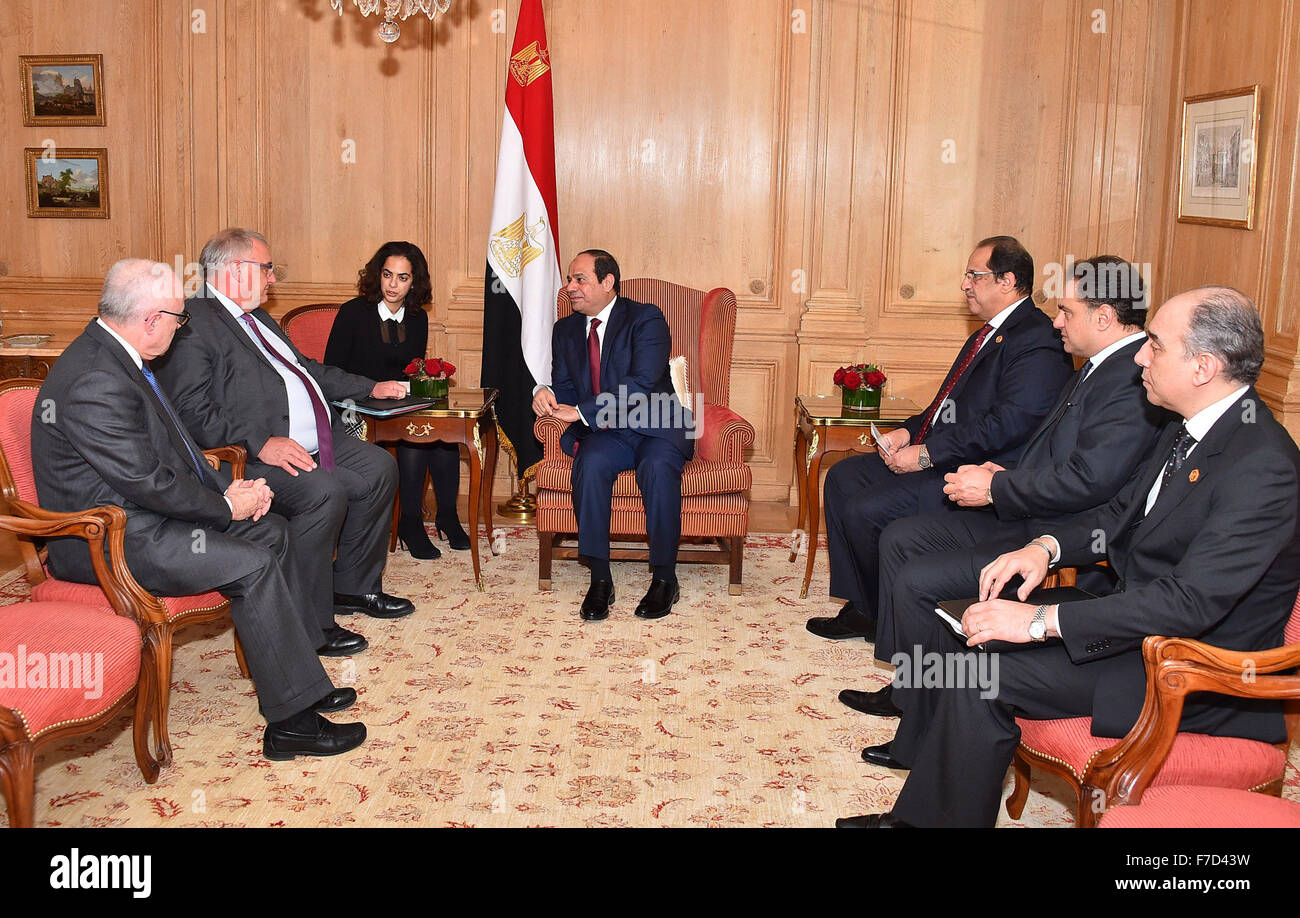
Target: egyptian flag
x: 523, y: 267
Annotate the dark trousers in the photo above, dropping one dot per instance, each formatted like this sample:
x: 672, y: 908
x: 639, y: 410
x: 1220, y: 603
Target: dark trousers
x: 658, y: 464
x: 247, y: 563
x: 862, y: 496
x: 442, y: 462
x: 348, y: 509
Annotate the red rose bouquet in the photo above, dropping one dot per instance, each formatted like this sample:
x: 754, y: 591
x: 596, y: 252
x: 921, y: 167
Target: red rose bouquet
x: 430, y: 378
x: 861, y: 384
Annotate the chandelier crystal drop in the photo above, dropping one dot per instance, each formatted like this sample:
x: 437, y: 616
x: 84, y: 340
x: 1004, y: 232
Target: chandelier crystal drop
x: 389, y: 30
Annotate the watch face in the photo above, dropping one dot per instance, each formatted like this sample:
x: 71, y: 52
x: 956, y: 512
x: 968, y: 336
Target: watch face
x: 1037, y: 630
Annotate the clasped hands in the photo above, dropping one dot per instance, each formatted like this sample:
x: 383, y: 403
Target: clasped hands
x: 969, y: 486
x: 993, y: 619
x: 250, y: 498
x: 904, y: 458
x: 545, y: 405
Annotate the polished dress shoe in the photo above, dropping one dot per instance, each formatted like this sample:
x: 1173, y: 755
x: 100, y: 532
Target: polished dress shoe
x: 280, y: 743
x: 337, y: 700
x: 413, y: 537
x: 851, y: 622
x: 595, y: 605
x: 880, y: 755
x: 340, y: 642
x: 872, y: 821
x: 880, y: 703
x: 376, y: 605
x: 451, y: 530
x: 658, y: 600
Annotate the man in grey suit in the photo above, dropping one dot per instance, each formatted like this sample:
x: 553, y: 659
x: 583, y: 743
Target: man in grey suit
x: 236, y: 378
x: 104, y: 433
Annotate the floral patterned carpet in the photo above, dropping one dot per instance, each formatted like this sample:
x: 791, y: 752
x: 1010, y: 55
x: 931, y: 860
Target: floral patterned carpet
x: 502, y: 708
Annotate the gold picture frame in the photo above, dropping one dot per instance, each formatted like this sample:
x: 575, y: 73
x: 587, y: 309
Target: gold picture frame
x: 62, y: 90
x: 67, y: 182
x: 1219, y: 158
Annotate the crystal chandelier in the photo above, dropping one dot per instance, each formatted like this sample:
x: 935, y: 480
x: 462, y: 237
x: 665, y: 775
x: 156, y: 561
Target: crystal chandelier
x: 388, y: 29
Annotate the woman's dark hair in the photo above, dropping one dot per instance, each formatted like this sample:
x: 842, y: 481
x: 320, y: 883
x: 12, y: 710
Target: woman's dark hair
x: 421, y: 292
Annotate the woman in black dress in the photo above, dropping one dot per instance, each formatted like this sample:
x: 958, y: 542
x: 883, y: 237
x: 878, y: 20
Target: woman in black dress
x: 377, y: 334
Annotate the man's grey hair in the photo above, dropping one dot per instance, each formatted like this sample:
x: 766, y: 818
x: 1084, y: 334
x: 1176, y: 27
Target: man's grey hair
x: 133, y: 288
x: 231, y: 244
x: 1226, y: 323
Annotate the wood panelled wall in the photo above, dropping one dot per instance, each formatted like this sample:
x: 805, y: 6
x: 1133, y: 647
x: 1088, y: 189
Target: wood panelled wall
x: 832, y: 161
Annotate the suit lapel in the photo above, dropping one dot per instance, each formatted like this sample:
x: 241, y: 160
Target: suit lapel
x: 618, y: 319
x: 993, y: 342
x: 234, y: 327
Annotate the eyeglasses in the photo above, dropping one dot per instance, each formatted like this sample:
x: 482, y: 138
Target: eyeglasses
x: 971, y: 275
x: 182, y: 318
x: 268, y: 267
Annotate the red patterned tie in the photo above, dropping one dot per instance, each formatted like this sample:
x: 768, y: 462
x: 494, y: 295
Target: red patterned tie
x: 593, y: 356
x: 967, y: 356
x: 324, y: 436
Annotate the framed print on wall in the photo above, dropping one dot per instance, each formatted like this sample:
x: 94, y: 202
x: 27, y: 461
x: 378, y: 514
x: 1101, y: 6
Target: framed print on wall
x: 1216, y: 176
x: 69, y: 183
x: 62, y: 89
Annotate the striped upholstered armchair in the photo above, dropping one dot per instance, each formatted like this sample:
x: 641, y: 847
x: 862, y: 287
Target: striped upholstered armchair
x: 715, y: 483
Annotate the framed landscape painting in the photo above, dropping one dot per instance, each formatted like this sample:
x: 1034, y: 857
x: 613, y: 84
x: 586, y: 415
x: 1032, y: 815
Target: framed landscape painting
x: 1216, y: 177
x: 69, y: 183
x: 62, y: 89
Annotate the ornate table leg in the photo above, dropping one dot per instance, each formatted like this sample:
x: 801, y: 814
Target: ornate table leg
x: 813, y: 462
x: 475, y: 451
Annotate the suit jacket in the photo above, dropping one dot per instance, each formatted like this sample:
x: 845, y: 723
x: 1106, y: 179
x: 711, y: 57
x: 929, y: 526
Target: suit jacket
x: 227, y: 391
x: 101, y: 436
x: 355, y: 344
x: 1216, y: 559
x: 633, y: 364
x: 1006, y: 391
x: 1094, y: 439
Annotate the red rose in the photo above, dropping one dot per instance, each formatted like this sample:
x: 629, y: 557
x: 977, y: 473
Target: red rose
x: 448, y: 368
x: 852, y: 379
x: 413, y: 367
x: 433, y: 366
x: 875, y: 379
x: 839, y: 376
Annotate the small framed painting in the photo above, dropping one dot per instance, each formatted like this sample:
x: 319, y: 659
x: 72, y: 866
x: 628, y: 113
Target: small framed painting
x: 62, y: 89
x: 67, y: 182
x: 1216, y: 177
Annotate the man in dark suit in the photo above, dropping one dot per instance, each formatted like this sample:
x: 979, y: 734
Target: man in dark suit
x: 1001, y: 386
x: 104, y: 433
x: 1205, y: 543
x: 235, y: 377
x: 1097, y: 436
x: 610, y: 380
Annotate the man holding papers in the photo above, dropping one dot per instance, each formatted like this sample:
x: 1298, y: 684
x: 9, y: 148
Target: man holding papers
x: 1205, y: 544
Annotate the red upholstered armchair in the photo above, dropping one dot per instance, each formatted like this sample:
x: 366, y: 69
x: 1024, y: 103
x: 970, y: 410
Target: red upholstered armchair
x: 308, y: 327
x: 1107, y: 773
x: 715, y: 483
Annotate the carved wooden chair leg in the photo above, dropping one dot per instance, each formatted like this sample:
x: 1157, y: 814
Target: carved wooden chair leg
x: 239, y: 656
x: 1019, y: 793
x: 158, y: 654
x: 737, y: 564
x: 545, y: 545
x: 17, y: 782
x: 143, y: 719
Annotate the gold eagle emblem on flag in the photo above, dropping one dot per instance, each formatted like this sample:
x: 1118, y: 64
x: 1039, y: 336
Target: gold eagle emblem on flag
x: 518, y: 244
x: 530, y: 63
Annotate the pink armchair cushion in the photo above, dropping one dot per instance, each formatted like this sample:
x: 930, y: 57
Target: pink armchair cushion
x: 309, y: 330
x: 51, y: 590
x: 723, y: 435
x: 16, y: 441
x: 1218, y: 761
x: 1203, y: 808
x: 1291, y: 635
x: 60, y: 628
x: 698, y: 478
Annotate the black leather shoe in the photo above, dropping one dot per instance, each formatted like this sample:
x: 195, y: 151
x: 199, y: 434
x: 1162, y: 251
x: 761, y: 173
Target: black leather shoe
x: 280, y: 744
x: 880, y: 755
x: 340, y: 642
x: 411, y: 534
x: 451, y: 530
x: 658, y: 600
x: 338, y: 700
x: 851, y: 622
x: 376, y: 605
x: 872, y: 821
x: 595, y: 605
x: 880, y: 703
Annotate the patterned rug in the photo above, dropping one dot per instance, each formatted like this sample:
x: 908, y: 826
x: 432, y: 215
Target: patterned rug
x: 502, y: 708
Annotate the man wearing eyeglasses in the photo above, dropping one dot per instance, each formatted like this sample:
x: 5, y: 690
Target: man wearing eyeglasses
x: 1001, y: 386
x: 235, y: 378
x: 104, y: 433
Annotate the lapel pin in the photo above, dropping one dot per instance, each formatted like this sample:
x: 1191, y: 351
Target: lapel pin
x: 1194, y: 475
x: 997, y: 340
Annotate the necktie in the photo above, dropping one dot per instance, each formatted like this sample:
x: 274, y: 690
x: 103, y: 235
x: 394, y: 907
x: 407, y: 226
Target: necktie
x: 1069, y: 400
x: 963, y: 364
x: 593, y: 356
x: 153, y: 382
x: 324, y: 436
x: 1177, y: 454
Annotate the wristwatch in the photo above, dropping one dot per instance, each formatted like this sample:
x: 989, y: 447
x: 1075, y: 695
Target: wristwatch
x: 1038, y: 626
x: 923, y: 458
